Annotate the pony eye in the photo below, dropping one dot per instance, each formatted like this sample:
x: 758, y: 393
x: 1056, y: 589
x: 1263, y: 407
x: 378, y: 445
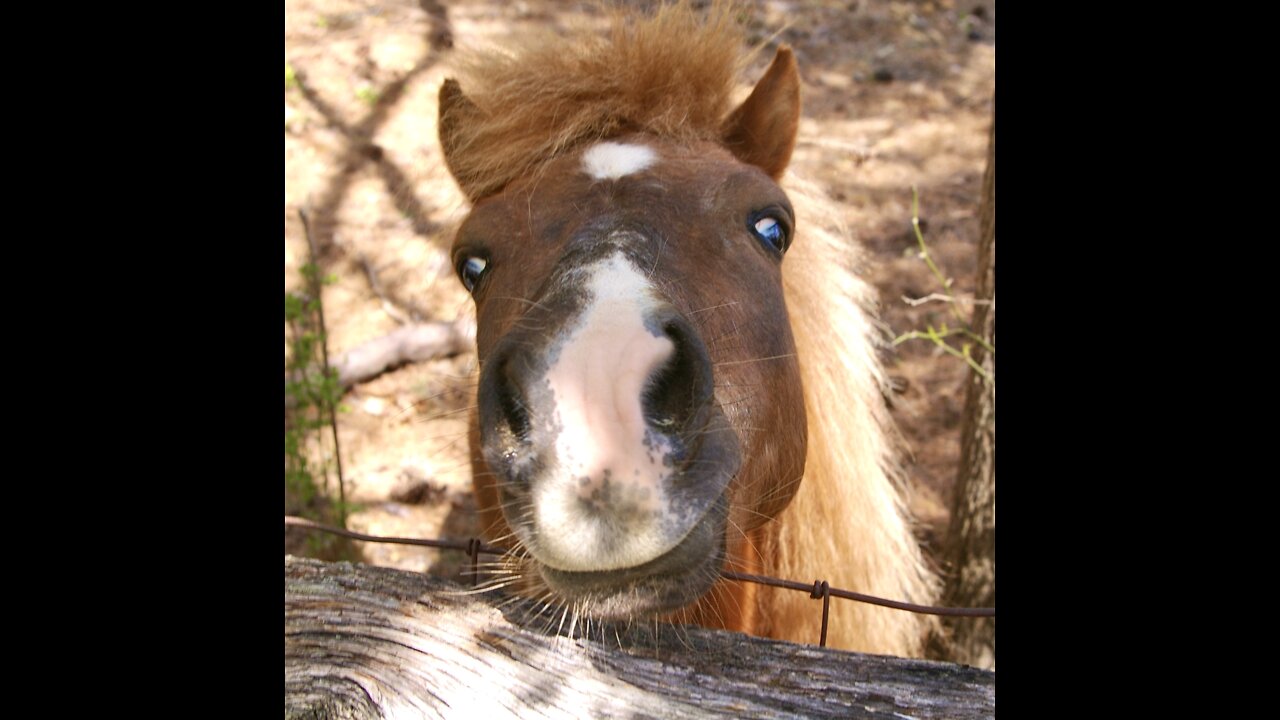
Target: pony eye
x: 770, y: 230
x: 470, y: 271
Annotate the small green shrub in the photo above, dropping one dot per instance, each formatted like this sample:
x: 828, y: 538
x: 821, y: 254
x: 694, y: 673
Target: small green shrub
x: 938, y: 336
x: 312, y: 393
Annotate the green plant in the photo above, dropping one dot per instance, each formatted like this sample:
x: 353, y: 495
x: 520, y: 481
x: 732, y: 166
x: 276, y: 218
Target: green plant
x: 938, y: 336
x: 312, y: 396
x: 308, y: 392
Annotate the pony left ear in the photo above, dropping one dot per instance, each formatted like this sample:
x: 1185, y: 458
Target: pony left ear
x: 762, y: 130
x: 455, y: 112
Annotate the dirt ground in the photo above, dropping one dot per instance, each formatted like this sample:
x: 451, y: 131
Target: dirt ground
x: 897, y: 94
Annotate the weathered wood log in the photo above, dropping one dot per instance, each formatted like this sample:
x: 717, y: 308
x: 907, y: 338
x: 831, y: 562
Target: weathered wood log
x: 417, y: 342
x: 370, y: 642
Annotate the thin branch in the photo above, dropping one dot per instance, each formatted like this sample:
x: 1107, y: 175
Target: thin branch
x: 939, y: 297
x: 946, y: 332
x: 924, y: 253
x: 939, y: 339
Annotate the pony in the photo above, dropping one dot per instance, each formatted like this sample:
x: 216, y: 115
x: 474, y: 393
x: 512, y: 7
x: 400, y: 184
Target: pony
x: 678, y: 360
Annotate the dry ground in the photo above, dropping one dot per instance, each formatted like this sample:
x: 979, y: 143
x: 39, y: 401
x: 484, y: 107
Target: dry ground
x: 896, y: 94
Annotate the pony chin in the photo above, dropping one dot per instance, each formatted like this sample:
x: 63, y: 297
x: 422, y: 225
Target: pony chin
x: 675, y: 580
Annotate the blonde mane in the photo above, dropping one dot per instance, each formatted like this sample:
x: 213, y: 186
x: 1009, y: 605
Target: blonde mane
x: 848, y: 523
x: 673, y: 74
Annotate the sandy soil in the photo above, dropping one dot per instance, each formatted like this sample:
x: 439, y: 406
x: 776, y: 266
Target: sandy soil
x: 897, y: 94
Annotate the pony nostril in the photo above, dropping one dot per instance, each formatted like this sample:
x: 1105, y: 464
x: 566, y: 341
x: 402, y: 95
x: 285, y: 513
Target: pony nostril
x: 681, y: 386
x: 508, y: 417
x: 514, y: 427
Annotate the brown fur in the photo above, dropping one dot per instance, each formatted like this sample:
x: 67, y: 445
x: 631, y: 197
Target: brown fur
x: 671, y: 75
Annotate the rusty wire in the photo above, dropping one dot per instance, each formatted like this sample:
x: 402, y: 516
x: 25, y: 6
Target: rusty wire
x: 474, y: 547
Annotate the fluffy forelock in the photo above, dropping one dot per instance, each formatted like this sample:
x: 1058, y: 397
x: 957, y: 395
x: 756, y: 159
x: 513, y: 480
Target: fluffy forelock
x: 670, y: 74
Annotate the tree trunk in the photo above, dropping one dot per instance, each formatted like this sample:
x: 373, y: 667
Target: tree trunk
x: 370, y: 642
x: 971, y: 536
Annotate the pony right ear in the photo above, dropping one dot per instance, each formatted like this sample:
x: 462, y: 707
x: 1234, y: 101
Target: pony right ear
x: 456, y: 111
x: 762, y: 130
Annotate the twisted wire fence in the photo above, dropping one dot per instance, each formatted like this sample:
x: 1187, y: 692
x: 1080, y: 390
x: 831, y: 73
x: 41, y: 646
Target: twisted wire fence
x: 474, y: 548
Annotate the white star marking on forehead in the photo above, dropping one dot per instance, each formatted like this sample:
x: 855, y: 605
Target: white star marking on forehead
x: 611, y: 160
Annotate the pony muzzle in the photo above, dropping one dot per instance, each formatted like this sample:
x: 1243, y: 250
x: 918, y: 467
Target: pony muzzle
x: 610, y: 451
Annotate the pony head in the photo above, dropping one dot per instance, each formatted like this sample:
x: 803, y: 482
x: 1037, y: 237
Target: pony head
x: 640, y: 410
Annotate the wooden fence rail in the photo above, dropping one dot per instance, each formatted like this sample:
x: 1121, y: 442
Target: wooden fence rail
x: 371, y: 642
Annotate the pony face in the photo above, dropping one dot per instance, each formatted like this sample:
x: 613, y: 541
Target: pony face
x: 640, y: 414
x: 640, y: 408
